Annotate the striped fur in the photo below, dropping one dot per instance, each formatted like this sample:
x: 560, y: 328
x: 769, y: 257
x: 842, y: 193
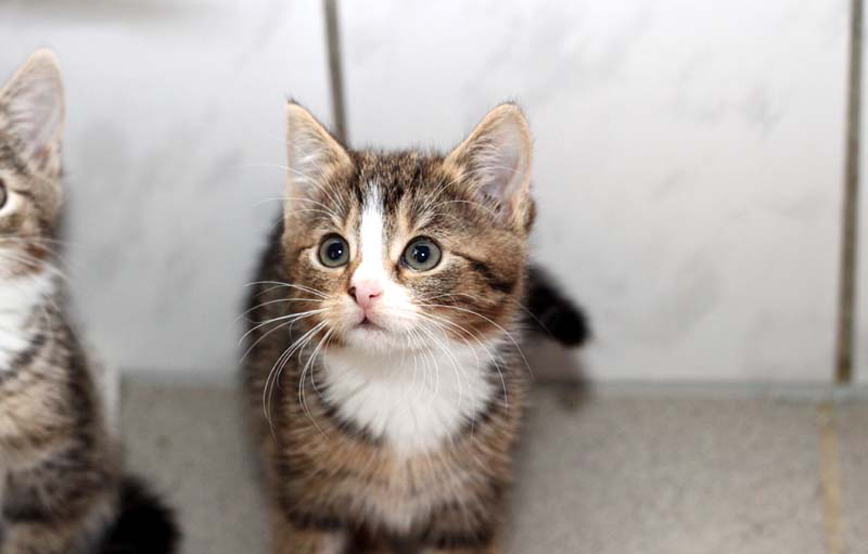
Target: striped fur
x: 61, y: 485
x: 392, y: 426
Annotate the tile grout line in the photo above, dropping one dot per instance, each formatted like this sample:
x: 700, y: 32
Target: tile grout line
x: 336, y: 72
x: 850, y: 201
x: 830, y: 479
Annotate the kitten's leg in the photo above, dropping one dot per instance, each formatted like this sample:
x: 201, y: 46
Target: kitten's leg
x: 54, y: 536
x: 287, y: 538
x: 364, y: 541
x: 61, y: 506
x: 41, y: 533
x: 489, y: 548
x: 470, y: 529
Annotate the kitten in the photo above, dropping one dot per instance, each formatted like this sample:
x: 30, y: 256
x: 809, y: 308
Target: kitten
x: 383, y: 363
x: 62, y: 488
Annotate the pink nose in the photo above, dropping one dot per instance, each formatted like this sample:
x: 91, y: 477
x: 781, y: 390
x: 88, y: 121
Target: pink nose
x: 365, y: 292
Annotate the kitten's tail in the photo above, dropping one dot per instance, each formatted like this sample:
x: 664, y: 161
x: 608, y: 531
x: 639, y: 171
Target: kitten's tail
x: 552, y: 314
x: 144, y: 525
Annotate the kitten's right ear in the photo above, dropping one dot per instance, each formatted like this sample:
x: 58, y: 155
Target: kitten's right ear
x: 495, y: 161
x: 32, y: 102
x: 311, y: 151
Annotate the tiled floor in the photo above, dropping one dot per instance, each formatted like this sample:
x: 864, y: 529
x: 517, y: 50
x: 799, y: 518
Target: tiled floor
x: 853, y: 437
x: 623, y: 473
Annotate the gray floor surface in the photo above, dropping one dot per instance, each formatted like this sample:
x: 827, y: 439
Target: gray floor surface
x: 629, y: 474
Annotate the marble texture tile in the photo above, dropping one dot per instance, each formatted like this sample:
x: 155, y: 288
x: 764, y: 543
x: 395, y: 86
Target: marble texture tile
x: 174, y: 148
x: 688, y: 160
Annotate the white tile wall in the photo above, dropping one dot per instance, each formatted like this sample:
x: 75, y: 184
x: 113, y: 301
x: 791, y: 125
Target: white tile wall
x: 688, y: 159
x: 170, y: 106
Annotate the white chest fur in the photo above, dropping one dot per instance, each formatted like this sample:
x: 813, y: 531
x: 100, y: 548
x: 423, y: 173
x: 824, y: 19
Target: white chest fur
x: 414, y: 400
x: 18, y: 299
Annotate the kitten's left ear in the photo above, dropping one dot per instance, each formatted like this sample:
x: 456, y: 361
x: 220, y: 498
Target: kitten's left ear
x: 495, y: 161
x: 32, y: 102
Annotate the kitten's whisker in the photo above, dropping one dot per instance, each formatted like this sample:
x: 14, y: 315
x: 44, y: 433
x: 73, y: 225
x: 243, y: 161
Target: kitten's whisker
x: 262, y: 305
x: 492, y: 322
x: 290, y: 317
x: 317, y: 182
x: 453, y: 360
x: 476, y: 299
x: 275, y: 287
x: 492, y: 356
x: 431, y: 365
x: 277, y: 368
x: 338, y: 220
x: 301, y: 388
x: 264, y: 335
x: 301, y: 344
x: 327, y: 339
x: 33, y: 263
x: 335, y: 220
x: 328, y: 210
x: 298, y: 174
x: 36, y: 239
x: 279, y: 284
x: 441, y: 186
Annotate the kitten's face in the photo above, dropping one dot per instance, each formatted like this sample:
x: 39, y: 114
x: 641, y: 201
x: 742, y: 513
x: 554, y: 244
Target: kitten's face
x: 31, y: 120
x: 396, y: 251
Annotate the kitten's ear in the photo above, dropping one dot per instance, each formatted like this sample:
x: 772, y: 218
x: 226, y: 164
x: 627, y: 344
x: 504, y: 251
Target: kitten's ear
x: 32, y: 102
x: 495, y: 161
x: 311, y: 151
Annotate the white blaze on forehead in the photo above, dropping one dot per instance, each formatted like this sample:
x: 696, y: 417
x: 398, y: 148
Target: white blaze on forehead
x: 372, y: 241
x: 394, y: 309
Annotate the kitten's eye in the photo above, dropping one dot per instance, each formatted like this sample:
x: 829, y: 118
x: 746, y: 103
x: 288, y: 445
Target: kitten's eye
x: 4, y: 196
x: 334, y: 251
x: 422, y: 254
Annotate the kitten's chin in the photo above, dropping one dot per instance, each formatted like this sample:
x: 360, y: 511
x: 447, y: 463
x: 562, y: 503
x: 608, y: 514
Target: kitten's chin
x: 368, y: 337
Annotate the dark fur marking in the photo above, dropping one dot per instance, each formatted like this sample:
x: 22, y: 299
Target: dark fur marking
x: 307, y: 520
x: 80, y: 388
x: 26, y: 510
x: 505, y: 287
x: 25, y: 357
x: 552, y: 313
x: 67, y: 479
x: 455, y: 540
x: 9, y: 156
x: 302, y: 518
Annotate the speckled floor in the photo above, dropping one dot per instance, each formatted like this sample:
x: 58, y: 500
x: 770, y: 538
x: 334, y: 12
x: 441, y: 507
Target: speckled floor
x: 650, y: 473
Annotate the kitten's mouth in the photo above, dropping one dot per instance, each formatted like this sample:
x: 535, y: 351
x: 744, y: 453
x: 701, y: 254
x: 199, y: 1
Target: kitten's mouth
x: 366, y: 323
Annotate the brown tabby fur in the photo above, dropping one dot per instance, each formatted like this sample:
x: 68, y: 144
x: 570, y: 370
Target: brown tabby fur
x: 333, y: 485
x: 59, y: 465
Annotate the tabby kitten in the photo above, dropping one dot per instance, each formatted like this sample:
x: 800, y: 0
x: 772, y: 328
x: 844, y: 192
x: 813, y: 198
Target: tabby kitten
x: 62, y: 489
x: 383, y: 364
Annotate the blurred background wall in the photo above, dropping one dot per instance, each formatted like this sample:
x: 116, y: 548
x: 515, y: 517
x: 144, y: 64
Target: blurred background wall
x: 688, y: 164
